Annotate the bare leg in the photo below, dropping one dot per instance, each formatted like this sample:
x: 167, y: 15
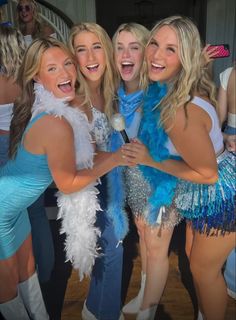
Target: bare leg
x: 157, y: 243
x: 141, y: 232
x: 189, y: 239
x: 17, y: 268
x: 207, y: 258
x: 9, y: 279
x: 21, y: 264
x: 25, y: 258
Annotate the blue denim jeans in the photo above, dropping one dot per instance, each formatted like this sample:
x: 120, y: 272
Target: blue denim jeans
x: 104, y: 296
x: 230, y: 273
x: 42, y: 239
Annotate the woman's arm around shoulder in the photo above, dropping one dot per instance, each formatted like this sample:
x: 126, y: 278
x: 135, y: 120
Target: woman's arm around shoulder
x: 60, y: 150
x: 190, y: 136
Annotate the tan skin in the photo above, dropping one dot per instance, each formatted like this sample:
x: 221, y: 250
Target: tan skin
x: 46, y: 137
x: 89, y: 52
x: 207, y: 254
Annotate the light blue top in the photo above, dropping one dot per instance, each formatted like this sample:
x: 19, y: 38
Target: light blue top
x: 22, y: 181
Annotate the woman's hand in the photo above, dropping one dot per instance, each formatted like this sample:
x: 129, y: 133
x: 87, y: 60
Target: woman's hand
x: 230, y: 142
x: 137, y: 152
x: 208, y: 54
x: 122, y: 159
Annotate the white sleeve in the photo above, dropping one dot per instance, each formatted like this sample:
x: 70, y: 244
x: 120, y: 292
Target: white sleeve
x: 224, y: 78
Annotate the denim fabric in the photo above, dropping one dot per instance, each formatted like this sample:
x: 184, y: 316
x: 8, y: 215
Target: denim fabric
x: 230, y: 130
x: 104, y: 296
x: 42, y: 239
x: 4, y: 142
x: 230, y: 271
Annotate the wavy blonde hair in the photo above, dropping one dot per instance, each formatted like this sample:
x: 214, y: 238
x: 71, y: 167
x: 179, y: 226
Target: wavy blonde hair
x: 193, y: 77
x: 110, y: 77
x: 27, y: 71
x: 38, y: 23
x: 12, y: 48
x: 142, y: 34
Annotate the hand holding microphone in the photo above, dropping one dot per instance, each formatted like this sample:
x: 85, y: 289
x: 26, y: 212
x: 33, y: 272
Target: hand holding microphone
x: 118, y: 123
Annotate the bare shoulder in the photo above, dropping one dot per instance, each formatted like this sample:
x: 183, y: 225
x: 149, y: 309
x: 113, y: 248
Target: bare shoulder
x: 189, y: 116
x: 54, y: 126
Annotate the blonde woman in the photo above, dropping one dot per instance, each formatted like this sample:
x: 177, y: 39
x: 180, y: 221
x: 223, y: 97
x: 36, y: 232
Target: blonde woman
x: 96, y: 95
x: 43, y: 131
x: 186, y: 165
x: 129, y: 43
x: 30, y: 23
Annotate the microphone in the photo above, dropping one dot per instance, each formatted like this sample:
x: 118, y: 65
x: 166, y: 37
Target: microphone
x: 118, y: 123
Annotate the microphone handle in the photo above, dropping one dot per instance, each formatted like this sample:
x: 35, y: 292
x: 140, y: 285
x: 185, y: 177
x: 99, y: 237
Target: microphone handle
x: 124, y: 136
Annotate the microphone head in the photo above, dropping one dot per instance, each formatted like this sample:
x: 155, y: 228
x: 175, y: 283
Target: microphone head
x: 118, y: 122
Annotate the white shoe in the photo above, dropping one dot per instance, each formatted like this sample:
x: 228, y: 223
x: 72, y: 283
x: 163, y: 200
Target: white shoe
x: 14, y: 309
x: 87, y: 315
x: 147, y: 314
x: 200, y: 316
x: 122, y: 316
x: 231, y: 293
x: 134, y: 305
x: 32, y: 297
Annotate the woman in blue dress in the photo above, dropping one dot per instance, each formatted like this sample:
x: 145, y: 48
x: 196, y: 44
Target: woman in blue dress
x: 42, y: 149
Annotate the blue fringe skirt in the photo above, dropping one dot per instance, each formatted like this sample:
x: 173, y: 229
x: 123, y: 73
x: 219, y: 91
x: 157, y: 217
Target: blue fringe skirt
x: 210, y: 208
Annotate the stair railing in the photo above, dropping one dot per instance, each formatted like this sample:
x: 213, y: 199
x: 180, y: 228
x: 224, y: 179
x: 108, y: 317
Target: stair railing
x: 48, y: 13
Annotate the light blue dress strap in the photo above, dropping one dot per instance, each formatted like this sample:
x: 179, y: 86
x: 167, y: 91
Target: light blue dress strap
x: 32, y: 121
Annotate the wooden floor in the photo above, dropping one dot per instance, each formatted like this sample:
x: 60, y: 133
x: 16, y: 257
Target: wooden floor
x: 175, y: 304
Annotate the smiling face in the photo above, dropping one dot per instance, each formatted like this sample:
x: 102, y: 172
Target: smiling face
x: 162, y: 55
x: 90, y: 55
x: 57, y: 73
x: 25, y: 11
x: 129, y: 56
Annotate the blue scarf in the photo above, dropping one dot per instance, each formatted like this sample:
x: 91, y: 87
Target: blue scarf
x: 128, y: 104
x: 152, y: 134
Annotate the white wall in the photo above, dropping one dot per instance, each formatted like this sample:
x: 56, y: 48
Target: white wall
x: 77, y: 10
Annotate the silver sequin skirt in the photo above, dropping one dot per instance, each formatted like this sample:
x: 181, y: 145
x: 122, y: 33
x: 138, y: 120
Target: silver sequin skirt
x: 138, y: 191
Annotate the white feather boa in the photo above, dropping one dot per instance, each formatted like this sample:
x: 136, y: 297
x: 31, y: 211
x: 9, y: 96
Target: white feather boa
x: 77, y: 210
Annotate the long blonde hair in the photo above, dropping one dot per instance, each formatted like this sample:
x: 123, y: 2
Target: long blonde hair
x: 110, y: 77
x: 141, y: 33
x: 38, y: 23
x: 12, y: 48
x: 193, y: 77
x: 27, y: 71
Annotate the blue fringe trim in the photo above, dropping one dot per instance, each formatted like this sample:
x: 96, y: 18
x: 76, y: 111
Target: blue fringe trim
x: 210, y: 206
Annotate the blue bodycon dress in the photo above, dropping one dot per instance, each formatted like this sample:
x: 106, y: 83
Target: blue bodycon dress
x: 22, y: 181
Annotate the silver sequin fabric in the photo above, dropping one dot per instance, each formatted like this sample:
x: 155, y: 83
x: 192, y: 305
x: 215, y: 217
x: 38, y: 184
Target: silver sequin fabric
x: 138, y: 191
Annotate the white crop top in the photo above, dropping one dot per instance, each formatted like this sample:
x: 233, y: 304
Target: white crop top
x: 215, y: 132
x: 5, y: 116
